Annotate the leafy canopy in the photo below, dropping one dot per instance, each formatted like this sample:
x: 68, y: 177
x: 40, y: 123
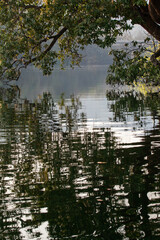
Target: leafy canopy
x: 132, y: 64
x: 42, y: 32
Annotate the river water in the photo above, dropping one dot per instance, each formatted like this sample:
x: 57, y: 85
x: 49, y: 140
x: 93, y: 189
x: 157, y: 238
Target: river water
x: 78, y: 159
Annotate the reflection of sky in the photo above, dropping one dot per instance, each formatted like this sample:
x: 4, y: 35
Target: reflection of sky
x: 3, y: 136
x: 79, y: 81
x: 100, y: 116
x: 87, y: 82
x: 40, y: 230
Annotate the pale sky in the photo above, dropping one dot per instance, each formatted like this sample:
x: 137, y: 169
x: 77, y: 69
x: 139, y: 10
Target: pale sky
x: 137, y: 33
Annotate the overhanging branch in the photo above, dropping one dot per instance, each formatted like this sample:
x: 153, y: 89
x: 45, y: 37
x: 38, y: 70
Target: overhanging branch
x: 20, y: 63
x: 55, y: 38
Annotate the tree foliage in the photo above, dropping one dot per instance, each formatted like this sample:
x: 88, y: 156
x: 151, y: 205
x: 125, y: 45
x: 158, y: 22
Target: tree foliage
x: 132, y: 64
x: 42, y: 32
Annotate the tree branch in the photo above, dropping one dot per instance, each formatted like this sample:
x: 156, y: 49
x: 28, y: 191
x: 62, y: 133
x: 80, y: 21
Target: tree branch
x: 31, y: 7
x: 23, y: 64
x: 154, y: 58
x: 55, y: 38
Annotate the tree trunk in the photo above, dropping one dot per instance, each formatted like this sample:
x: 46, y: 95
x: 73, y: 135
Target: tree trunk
x: 148, y: 23
x: 150, y: 16
x: 154, y: 10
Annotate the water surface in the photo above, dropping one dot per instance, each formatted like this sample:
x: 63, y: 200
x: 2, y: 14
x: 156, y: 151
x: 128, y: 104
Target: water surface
x: 80, y: 165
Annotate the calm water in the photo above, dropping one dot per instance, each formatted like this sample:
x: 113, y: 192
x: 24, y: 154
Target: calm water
x: 81, y: 165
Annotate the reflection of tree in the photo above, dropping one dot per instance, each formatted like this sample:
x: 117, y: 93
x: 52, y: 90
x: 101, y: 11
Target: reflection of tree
x: 83, y: 184
x: 131, y: 101
x: 125, y: 102
x: 143, y: 165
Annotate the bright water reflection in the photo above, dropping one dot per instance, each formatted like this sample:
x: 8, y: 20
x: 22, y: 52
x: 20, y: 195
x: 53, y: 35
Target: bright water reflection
x: 73, y: 171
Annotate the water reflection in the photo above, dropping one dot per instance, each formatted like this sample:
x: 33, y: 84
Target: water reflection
x: 81, y: 81
x: 63, y: 180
